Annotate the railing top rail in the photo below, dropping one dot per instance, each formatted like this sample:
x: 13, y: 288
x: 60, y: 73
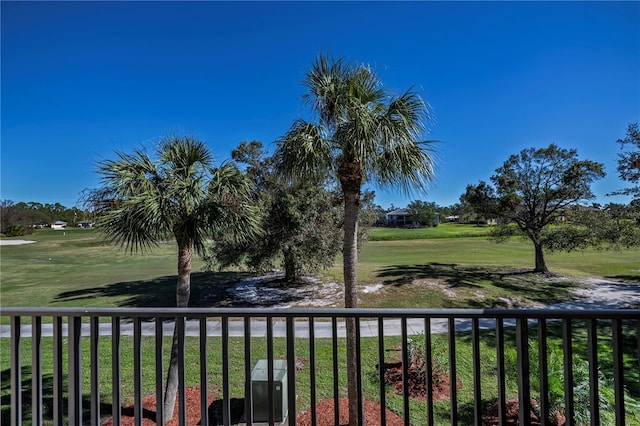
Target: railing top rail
x: 320, y: 312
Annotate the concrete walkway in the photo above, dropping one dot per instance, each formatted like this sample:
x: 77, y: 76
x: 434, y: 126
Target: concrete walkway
x: 599, y: 294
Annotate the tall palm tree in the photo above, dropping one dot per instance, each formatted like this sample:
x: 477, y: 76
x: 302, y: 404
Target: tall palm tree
x: 181, y: 195
x: 360, y: 134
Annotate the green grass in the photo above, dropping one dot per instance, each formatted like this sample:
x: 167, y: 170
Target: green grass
x: 444, y: 230
x: 448, y: 266
x: 76, y: 268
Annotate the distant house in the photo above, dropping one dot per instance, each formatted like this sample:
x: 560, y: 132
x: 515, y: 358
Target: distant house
x: 86, y: 224
x: 58, y: 225
x: 400, y: 217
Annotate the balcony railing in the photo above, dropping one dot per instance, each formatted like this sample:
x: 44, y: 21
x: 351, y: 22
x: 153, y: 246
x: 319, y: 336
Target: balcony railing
x: 476, y: 344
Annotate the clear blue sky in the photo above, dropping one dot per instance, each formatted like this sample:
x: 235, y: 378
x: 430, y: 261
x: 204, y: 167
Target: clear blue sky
x: 81, y: 80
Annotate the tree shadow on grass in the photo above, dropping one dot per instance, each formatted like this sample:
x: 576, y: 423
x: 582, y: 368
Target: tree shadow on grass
x: 208, y: 289
x: 523, y: 282
x: 47, y: 398
x: 631, y: 279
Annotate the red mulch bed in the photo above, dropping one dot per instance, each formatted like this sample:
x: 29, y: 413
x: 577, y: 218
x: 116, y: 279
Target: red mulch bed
x: 324, y: 412
x: 149, y: 410
x: 417, y: 381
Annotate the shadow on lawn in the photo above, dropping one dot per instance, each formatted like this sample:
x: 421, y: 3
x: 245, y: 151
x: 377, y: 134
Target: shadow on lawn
x: 535, y: 287
x: 47, y: 398
x: 208, y: 289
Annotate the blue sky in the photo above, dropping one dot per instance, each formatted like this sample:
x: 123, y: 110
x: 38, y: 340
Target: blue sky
x: 81, y: 80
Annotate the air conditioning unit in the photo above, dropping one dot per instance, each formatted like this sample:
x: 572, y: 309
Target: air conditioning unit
x: 260, y: 391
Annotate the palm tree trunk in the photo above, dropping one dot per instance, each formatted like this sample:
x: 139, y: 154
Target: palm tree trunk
x: 350, y: 270
x: 183, y: 291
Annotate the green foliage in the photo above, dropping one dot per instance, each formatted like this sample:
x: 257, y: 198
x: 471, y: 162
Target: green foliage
x: 301, y: 222
x: 15, y: 230
x: 424, y: 212
x: 556, y: 394
x: 481, y: 201
x: 615, y: 226
x: 532, y: 190
x: 629, y: 161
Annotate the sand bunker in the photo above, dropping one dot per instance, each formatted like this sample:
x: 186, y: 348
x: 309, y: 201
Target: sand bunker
x: 15, y: 242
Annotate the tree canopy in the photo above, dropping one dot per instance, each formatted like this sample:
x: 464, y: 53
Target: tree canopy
x: 361, y: 132
x: 629, y: 162
x: 301, y: 221
x: 534, y: 189
x: 177, y: 194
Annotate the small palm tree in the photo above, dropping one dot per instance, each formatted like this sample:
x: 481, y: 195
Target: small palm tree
x: 180, y: 195
x: 361, y: 134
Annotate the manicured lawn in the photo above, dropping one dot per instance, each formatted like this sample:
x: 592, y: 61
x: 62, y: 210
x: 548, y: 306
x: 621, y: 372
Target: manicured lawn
x: 448, y: 266
x: 77, y: 268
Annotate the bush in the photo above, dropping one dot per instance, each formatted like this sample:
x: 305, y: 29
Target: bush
x: 15, y: 230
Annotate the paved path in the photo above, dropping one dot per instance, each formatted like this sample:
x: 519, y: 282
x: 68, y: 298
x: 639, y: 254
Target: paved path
x: 599, y: 294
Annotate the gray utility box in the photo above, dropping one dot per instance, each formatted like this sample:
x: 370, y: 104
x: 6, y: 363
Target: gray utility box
x: 260, y: 391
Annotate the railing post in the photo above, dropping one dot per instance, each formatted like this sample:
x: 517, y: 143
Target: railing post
x: 405, y: 369
x: 36, y: 370
x: 544, y: 371
x: 477, y: 388
x: 522, y: 346
x: 453, y: 389
x: 95, y: 372
x: 16, y: 373
x: 226, y: 392
x: 58, y: 401
x: 381, y: 371
x: 312, y: 369
x: 75, y: 371
x: 159, y: 342
x: 115, y: 371
x: 592, y: 354
x: 567, y: 339
x: 334, y: 340
x: 137, y: 371
x: 182, y: 397
x: 428, y: 357
x: 291, y: 371
x: 618, y: 370
x: 501, y: 373
x: 248, y: 362
x: 204, y: 397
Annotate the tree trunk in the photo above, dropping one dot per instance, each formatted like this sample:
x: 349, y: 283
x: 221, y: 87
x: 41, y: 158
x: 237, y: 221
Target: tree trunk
x: 541, y: 266
x: 183, y: 291
x: 290, y: 268
x: 350, y: 270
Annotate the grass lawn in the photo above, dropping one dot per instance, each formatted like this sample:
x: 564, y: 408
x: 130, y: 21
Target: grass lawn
x: 76, y: 268
x: 448, y: 266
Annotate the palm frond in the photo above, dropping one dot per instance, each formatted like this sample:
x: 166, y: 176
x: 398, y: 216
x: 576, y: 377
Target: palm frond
x: 303, y: 153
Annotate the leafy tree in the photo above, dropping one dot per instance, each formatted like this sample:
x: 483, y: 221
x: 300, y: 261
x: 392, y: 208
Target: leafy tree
x: 614, y: 226
x: 481, y: 201
x: 535, y: 186
x: 424, y: 212
x: 301, y: 222
x: 179, y: 194
x: 360, y: 133
x: 629, y: 162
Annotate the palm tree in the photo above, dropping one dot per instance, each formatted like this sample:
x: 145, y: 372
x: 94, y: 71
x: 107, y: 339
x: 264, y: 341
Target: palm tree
x: 360, y: 134
x: 180, y: 195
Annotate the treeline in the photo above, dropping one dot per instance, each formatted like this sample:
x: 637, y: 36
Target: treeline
x: 21, y: 218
